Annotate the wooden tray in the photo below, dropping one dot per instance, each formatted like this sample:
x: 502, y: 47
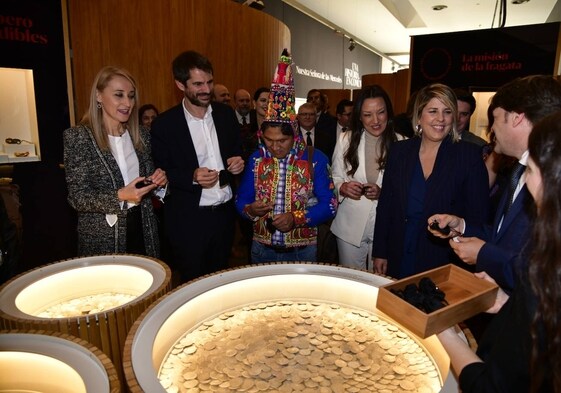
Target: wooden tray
x: 466, y: 295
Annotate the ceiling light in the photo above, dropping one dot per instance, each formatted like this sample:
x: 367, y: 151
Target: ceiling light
x: 439, y: 7
x: 352, y: 44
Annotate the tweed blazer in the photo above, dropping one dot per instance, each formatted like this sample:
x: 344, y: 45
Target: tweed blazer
x: 93, y: 179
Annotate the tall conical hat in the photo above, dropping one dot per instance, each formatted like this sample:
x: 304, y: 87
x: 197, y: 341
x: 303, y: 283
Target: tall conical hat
x: 281, y: 107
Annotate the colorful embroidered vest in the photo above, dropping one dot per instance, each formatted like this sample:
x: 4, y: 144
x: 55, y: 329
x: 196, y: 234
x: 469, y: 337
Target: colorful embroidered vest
x: 298, y: 194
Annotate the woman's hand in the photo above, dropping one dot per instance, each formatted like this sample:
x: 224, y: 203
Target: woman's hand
x: 502, y: 297
x: 455, y: 224
x: 380, y: 265
x: 371, y: 191
x: 159, y: 177
x: 351, y: 189
x: 131, y: 193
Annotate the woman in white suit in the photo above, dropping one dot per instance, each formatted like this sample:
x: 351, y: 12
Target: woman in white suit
x: 358, y: 165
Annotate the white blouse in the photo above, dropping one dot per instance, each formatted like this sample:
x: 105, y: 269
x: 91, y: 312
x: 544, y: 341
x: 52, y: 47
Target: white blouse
x: 122, y: 149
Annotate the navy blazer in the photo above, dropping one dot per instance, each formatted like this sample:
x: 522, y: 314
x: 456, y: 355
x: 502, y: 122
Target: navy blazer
x: 458, y: 185
x: 173, y: 151
x: 500, y: 256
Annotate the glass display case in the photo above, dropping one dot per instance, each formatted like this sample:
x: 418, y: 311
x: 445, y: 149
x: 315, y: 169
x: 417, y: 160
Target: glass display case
x: 19, y: 134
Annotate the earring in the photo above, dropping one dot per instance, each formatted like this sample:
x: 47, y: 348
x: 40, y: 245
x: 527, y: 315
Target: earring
x: 98, y: 105
x: 419, y: 129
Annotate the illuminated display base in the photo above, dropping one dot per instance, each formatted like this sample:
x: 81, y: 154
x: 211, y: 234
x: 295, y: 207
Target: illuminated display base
x: 154, y: 334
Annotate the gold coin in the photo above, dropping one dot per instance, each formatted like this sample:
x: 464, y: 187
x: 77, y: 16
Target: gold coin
x: 407, y: 385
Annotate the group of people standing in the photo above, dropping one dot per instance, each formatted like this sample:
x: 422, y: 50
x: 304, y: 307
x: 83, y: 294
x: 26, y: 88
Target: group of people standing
x: 383, y: 192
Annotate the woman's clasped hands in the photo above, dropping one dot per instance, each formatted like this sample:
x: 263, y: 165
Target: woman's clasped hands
x: 356, y: 190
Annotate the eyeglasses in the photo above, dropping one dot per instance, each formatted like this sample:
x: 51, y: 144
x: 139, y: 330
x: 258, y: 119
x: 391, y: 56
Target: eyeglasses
x: 269, y: 225
x: 346, y: 113
x: 306, y: 114
x: 15, y: 141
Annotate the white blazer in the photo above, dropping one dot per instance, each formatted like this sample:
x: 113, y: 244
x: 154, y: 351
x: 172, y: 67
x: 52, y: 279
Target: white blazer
x: 352, y: 215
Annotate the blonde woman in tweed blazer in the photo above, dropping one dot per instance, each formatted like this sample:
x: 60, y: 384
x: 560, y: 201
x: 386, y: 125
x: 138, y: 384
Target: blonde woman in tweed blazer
x: 109, y: 171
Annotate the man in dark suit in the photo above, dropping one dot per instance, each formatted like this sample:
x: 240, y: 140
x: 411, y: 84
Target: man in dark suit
x: 466, y: 107
x: 198, y: 144
x: 496, y: 249
x: 325, y: 125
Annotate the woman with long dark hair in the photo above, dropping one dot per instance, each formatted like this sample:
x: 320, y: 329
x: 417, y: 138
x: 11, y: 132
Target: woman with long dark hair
x: 358, y: 166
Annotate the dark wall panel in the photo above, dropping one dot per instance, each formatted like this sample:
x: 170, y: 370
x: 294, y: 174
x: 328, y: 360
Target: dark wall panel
x: 31, y: 37
x: 484, y: 58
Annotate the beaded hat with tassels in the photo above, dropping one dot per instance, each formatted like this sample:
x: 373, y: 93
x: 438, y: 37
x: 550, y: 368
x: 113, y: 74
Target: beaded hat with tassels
x: 281, y: 105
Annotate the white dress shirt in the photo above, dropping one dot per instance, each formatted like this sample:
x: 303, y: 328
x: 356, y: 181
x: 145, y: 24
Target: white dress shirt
x: 205, y: 140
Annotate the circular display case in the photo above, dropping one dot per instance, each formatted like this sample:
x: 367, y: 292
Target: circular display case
x: 157, y: 331
x: 139, y: 280
x: 53, y: 362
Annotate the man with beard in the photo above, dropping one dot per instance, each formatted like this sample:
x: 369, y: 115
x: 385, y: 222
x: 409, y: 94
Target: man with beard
x: 198, y: 144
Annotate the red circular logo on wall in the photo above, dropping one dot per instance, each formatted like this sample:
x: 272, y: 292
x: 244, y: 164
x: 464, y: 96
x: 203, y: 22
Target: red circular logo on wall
x: 436, y: 63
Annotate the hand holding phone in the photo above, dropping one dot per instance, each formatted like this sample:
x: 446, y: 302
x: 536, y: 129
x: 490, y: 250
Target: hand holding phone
x: 143, y: 183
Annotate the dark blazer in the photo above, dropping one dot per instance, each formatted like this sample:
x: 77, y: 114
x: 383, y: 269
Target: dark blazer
x: 200, y: 240
x: 458, y: 185
x: 253, y: 121
x: 472, y: 138
x: 506, y: 349
x: 173, y: 149
x: 249, y: 138
x: 500, y: 256
x: 326, y: 134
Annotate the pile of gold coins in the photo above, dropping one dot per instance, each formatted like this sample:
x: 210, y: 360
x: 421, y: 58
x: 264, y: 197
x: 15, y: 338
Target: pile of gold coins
x: 86, y: 305
x: 303, y: 346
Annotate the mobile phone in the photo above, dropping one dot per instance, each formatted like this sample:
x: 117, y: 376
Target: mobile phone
x: 223, y: 178
x: 434, y: 226
x: 143, y: 183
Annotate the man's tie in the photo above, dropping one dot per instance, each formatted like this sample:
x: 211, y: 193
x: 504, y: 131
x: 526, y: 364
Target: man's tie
x: 344, y: 129
x: 309, y: 139
x: 513, y: 183
x: 244, y: 121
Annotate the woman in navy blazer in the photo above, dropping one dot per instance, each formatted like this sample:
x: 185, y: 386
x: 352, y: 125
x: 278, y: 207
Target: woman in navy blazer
x: 429, y: 173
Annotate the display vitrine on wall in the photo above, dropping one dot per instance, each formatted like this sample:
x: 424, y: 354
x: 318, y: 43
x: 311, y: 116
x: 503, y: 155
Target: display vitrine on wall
x: 19, y: 134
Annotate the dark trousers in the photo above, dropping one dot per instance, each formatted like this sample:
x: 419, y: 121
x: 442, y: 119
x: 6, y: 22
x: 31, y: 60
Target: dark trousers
x: 135, y: 231
x: 202, y: 244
